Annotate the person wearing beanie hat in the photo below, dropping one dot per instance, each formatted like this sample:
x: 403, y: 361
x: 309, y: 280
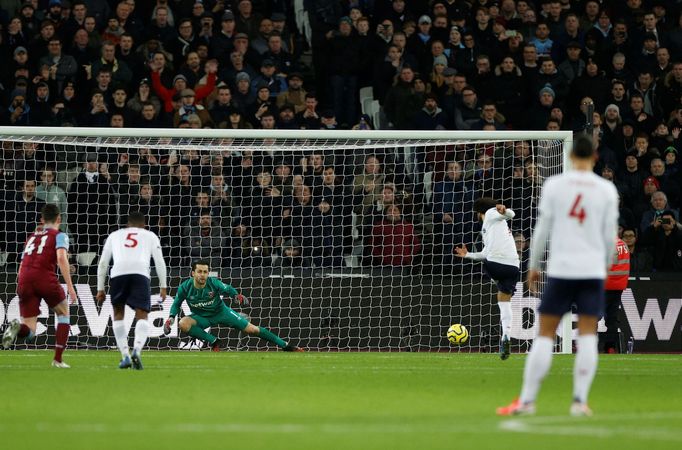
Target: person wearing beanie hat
x: 613, y: 107
x: 440, y: 59
x: 242, y: 76
x: 547, y: 90
x: 652, y: 180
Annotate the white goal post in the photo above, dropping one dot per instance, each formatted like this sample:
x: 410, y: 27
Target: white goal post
x: 343, y: 240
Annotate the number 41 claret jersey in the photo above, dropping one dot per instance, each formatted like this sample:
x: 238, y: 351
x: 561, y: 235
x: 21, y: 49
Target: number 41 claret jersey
x: 578, y: 211
x: 132, y: 248
x: 40, y: 252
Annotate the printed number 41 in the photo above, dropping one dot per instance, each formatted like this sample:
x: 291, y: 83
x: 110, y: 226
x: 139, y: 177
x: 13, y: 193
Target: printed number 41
x: 30, y: 245
x: 577, y: 211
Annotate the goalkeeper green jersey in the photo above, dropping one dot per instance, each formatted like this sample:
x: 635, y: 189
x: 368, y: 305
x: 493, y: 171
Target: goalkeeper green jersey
x: 206, y: 301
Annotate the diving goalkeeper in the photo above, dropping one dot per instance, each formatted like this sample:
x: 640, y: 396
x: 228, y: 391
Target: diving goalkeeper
x: 203, y: 295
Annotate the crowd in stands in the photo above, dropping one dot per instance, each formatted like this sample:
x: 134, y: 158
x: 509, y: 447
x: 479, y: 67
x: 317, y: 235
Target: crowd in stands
x: 611, y: 67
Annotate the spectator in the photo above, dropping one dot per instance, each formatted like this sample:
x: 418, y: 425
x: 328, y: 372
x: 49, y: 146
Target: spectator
x: 98, y: 113
x: 452, y: 199
x: 89, y: 220
x: 573, y: 66
x: 659, y: 204
x: 402, y: 101
x: 508, y: 91
x: 671, y: 161
x: 23, y: 215
x: 275, y: 82
x: 205, y: 240
x: 469, y: 112
x: 189, y: 107
x: 179, y: 84
x: 295, y: 95
x: 665, y: 237
x: 641, y: 260
x: 490, y: 116
x: 541, y: 112
x: 62, y: 67
x: 247, y: 21
x: 19, y: 112
x: 394, y: 242
x: 275, y: 51
x: 143, y: 95
x: 49, y: 192
x: 666, y: 183
x: 430, y: 117
x: 222, y: 106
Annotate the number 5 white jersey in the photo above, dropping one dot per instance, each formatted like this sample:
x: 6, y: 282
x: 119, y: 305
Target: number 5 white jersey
x: 131, y: 248
x: 578, y: 211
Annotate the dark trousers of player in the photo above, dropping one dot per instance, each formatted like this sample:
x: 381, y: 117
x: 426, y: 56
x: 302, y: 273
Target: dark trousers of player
x: 611, y: 338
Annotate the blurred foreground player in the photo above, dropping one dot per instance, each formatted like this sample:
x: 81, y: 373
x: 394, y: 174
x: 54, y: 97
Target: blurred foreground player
x: 131, y: 248
x: 579, y: 211
x: 203, y: 296
x: 46, y: 249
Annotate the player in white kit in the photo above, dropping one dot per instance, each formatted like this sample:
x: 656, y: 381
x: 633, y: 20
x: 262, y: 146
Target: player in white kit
x: 131, y: 248
x: 500, y: 260
x: 578, y: 211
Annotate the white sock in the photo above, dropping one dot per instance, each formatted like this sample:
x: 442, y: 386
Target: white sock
x: 141, y: 333
x: 585, y: 367
x: 121, y: 337
x: 537, y: 365
x: 505, y: 318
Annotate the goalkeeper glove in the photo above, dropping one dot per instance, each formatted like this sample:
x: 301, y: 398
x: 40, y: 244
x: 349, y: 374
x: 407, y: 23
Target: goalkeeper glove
x: 241, y: 300
x: 168, y: 324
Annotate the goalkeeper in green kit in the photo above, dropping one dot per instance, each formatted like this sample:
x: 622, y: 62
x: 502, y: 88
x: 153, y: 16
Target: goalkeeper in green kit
x: 203, y: 295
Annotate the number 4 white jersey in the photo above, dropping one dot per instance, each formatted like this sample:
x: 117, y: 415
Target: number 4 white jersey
x: 578, y: 211
x: 131, y: 248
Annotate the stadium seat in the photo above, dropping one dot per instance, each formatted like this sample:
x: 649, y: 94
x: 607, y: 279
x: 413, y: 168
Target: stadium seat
x: 366, y: 98
x: 428, y: 186
x: 87, y: 259
x: 376, y: 114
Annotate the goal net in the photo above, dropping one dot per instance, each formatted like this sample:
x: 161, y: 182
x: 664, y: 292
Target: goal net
x: 341, y: 240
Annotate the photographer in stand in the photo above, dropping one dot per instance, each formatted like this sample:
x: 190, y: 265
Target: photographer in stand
x: 664, y: 236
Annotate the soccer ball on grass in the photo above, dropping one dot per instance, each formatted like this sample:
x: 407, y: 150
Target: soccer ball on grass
x: 458, y: 334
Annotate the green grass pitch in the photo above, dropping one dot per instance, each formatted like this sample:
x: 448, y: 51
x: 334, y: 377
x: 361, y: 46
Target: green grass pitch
x: 416, y: 401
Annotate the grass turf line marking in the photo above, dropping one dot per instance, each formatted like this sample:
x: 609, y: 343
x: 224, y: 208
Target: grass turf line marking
x: 582, y: 426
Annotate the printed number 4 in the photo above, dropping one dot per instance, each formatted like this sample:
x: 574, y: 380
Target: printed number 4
x: 30, y: 246
x: 131, y: 242
x: 577, y: 211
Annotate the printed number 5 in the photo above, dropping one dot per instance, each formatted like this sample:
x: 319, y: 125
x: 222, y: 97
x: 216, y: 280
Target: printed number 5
x: 577, y: 210
x: 131, y: 242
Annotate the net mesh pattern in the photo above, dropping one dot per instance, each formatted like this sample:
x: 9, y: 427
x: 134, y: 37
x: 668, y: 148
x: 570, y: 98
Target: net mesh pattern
x: 339, y: 244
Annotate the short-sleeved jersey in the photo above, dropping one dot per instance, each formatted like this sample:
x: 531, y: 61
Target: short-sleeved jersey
x: 39, y: 258
x: 206, y: 301
x: 498, y: 242
x: 132, y: 249
x: 578, y: 212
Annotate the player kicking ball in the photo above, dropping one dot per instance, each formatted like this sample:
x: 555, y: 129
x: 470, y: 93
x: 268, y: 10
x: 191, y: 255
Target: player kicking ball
x: 203, y: 295
x: 500, y: 260
x: 579, y: 211
x: 131, y: 248
x: 46, y: 249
